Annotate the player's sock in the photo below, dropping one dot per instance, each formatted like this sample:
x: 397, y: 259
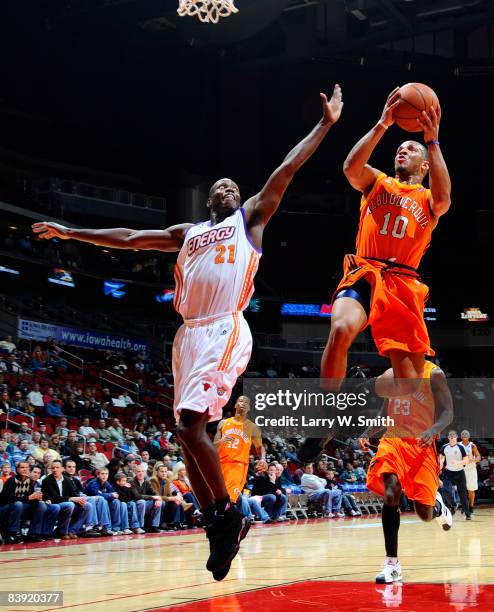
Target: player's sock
x: 392, y: 560
x: 209, y: 513
x: 391, y: 525
x: 222, y: 505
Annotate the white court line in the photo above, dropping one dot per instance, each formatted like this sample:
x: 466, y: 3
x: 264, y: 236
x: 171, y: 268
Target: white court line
x: 370, y: 525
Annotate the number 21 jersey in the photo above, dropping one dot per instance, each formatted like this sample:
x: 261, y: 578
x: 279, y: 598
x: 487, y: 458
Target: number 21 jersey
x: 215, y: 268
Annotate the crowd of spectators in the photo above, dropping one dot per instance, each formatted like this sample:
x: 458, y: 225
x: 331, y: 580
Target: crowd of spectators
x: 77, y: 459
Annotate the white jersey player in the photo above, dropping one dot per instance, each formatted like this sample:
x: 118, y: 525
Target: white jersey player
x: 471, y: 467
x: 214, y: 281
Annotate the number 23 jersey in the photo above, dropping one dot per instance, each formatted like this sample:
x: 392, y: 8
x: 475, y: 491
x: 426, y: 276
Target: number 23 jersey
x: 395, y: 222
x: 215, y: 268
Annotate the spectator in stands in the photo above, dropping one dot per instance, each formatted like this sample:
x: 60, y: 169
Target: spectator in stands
x: 136, y: 507
x: 52, y: 510
x: 42, y: 429
x: 153, y: 448
x: 5, y: 404
x: 268, y: 487
x: 120, y: 367
x: 182, y: 484
x: 19, y: 402
x: 35, y: 398
x: 99, y: 522
x: 173, y: 508
x: 360, y: 472
x: 102, y: 433
x: 14, y: 367
x: 4, y: 455
x: 87, y: 430
x: 96, y: 459
x: 114, y: 466
x: 116, y: 432
x: 43, y: 448
x: 349, y: 475
x: 145, y: 460
x: 125, y: 397
x: 100, y: 486
x: 21, y: 452
x: 129, y: 445
x: 163, y: 432
x: 284, y: 473
x: 348, y: 500
x: 315, y: 487
x: 54, y: 443
x: 69, y: 449
x: 129, y: 466
x: 61, y: 429
x: 19, y: 501
x: 59, y: 489
x: 145, y: 491
x: 35, y: 440
x: 6, y: 345
x: 163, y: 440
x: 53, y: 409
x: 322, y: 468
x: 24, y: 432
x: 6, y: 471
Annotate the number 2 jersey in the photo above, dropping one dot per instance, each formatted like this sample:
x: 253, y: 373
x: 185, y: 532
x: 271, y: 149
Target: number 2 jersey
x: 215, y: 269
x: 395, y: 222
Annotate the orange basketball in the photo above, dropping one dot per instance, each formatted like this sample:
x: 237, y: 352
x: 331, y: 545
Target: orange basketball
x: 415, y: 97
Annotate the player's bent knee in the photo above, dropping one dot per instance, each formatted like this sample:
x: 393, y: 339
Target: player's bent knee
x: 342, y: 333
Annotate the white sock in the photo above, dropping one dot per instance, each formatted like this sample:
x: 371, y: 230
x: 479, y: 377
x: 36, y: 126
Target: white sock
x: 392, y: 560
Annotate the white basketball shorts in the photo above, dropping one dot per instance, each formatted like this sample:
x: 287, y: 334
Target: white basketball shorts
x: 208, y: 356
x: 471, y: 477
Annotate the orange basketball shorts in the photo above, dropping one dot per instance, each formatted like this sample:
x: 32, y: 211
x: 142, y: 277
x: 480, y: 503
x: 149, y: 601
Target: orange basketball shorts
x: 417, y: 468
x: 235, y: 475
x: 397, y: 305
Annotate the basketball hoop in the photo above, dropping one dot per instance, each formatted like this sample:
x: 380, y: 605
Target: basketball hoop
x: 207, y: 11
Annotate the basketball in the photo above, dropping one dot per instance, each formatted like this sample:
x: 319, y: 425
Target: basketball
x: 415, y: 97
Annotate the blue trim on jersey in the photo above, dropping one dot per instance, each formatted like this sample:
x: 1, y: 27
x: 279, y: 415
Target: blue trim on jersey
x: 247, y: 233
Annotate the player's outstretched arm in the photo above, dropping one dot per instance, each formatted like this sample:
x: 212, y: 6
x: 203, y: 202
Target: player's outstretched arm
x: 439, y: 180
x: 170, y: 239
x: 443, y: 401
x: 260, y: 208
x: 359, y: 173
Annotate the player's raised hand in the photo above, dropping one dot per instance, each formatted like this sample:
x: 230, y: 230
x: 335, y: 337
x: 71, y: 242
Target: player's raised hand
x: 50, y: 230
x: 429, y: 122
x: 332, y: 108
x: 391, y: 103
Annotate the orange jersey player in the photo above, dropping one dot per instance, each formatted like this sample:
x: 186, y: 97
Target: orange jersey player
x: 234, y: 439
x: 381, y: 286
x: 406, y: 459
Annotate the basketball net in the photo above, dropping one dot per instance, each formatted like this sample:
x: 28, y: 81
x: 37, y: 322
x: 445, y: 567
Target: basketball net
x: 207, y: 11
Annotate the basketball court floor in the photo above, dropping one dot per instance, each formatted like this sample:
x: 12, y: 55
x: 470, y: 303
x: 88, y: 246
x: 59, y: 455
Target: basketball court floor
x: 315, y: 564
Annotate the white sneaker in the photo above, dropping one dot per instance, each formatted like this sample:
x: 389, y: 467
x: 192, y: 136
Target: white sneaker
x: 389, y: 573
x: 341, y: 515
x: 353, y: 512
x: 117, y: 532
x: 127, y: 532
x: 329, y: 515
x: 140, y: 530
x: 445, y: 519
